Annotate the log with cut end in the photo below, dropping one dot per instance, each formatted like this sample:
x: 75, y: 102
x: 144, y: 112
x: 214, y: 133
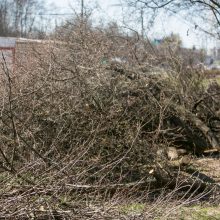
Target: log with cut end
x: 181, y: 179
x: 213, y: 140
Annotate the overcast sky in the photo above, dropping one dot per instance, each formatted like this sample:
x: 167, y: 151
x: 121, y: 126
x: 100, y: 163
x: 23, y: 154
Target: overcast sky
x: 163, y: 26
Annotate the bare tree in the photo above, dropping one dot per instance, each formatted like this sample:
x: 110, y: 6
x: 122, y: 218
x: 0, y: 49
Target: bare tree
x: 25, y: 12
x: 190, y: 9
x: 20, y: 17
x: 4, y: 17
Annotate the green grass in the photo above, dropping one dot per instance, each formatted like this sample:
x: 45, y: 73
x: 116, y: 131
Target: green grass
x: 132, y: 208
x: 200, y: 213
x: 207, y: 82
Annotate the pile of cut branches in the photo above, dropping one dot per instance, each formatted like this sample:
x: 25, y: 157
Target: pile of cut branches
x: 75, y: 121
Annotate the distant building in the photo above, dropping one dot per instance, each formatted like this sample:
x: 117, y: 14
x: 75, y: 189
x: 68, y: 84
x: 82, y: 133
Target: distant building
x: 7, y: 49
x: 215, y: 53
x: 20, y: 51
x: 213, y: 56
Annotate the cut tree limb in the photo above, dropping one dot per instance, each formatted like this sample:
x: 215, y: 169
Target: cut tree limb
x: 206, y: 131
x: 213, y: 140
x: 196, y: 181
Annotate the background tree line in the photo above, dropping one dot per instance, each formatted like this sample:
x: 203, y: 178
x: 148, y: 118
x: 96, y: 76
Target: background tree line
x: 18, y: 18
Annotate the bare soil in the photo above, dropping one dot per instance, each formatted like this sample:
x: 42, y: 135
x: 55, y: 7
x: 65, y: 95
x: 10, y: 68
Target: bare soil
x: 209, y: 166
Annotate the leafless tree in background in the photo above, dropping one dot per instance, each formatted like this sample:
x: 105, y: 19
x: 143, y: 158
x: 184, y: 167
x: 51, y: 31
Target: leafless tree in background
x: 19, y: 17
x: 25, y: 15
x: 196, y: 12
x: 4, y: 17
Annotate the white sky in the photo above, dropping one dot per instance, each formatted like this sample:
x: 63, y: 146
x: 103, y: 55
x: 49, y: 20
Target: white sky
x: 163, y: 26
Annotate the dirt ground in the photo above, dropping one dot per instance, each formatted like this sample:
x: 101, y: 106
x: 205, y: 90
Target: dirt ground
x: 210, y: 166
